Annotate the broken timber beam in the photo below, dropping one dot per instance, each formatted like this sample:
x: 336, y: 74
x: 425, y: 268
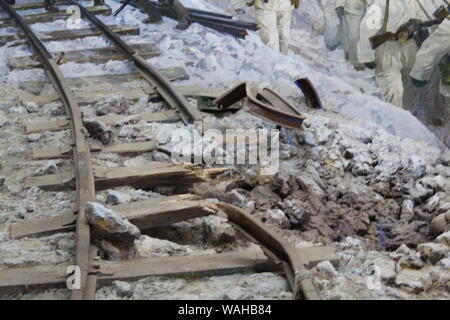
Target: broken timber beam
x: 68, y: 34
x: 151, y: 175
x: 144, y: 214
x: 53, y: 16
x: 95, y: 55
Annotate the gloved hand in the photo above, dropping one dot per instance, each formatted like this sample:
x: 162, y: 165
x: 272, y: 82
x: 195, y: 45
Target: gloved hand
x: 340, y: 12
x: 371, y: 65
x: 421, y: 35
x: 295, y: 3
x: 419, y: 83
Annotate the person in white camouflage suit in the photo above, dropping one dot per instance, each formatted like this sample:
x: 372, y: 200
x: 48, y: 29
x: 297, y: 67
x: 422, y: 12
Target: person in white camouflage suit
x: 394, y: 60
x: 332, y: 24
x: 274, y: 18
x: 434, y: 51
x: 351, y: 13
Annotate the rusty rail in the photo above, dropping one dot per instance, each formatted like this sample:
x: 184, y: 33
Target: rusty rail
x: 274, y: 247
x: 82, y: 158
x: 156, y: 79
x: 263, y: 103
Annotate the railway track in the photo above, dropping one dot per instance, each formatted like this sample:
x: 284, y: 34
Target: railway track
x: 279, y: 254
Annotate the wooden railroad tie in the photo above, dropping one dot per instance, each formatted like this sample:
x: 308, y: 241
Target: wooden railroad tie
x: 18, y: 39
x: 192, y: 266
x: 150, y: 175
x: 95, y: 55
x: 144, y: 214
x: 52, y: 16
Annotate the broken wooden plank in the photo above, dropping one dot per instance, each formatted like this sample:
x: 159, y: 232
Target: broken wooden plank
x: 95, y: 55
x: 150, y: 214
x: 69, y: 34
x: 144, y: 214
x: 66, y: 221
x: 151, y: 175
x: 53, y: 16
x: 172, y: 74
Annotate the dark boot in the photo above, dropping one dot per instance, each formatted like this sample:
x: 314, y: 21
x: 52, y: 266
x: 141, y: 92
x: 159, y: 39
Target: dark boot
x: 11, y: 2
x: 153, y: 14
x: 50, y: 6
x: 184, y: 21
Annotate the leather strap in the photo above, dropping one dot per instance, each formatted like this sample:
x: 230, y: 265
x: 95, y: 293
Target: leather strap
x: 423, y: 9
x: 386, y: 16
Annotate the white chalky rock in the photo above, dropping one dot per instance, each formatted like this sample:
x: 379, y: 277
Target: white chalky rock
x: 413, y: 279
x: 327, y: 269
x: 433, y: 251
x: 110, y: 221
x: 31, y: 107
x: 117, y: 197
x: 444, y: 239
x: 432, y: 203
x: 123, y: 288
x: 278, y: 217
x: 153, y: 247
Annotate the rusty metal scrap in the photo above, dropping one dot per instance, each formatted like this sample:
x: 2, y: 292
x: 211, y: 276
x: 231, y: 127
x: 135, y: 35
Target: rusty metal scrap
x: 263, y: 103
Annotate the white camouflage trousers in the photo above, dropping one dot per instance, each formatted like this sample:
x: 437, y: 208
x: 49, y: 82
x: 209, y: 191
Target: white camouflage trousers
x: 350, y: 36
x: 275, y: 28
x: 394, y: 63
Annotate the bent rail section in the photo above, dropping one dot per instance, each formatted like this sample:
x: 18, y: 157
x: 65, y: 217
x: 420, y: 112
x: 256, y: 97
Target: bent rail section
x: 156, y: 79
x: 82, y: 158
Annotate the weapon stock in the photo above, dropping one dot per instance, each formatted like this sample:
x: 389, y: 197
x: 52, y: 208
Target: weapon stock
x: 379, y: 39
x: 408, y: 29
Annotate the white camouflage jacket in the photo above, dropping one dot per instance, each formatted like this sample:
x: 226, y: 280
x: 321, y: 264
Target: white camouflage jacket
x: 400, y: 12
x: 431, y: 53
